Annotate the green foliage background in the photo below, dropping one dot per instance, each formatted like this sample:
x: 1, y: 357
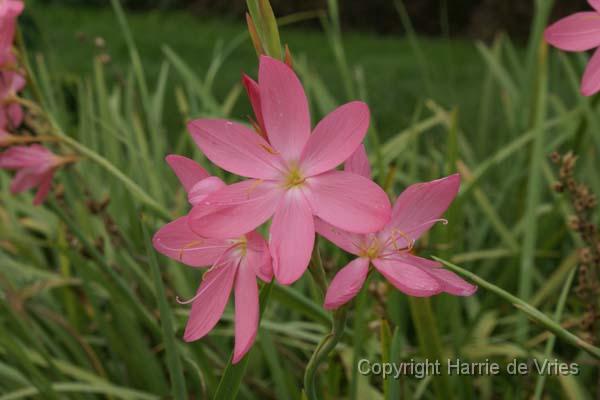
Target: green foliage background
x: 87, y: 308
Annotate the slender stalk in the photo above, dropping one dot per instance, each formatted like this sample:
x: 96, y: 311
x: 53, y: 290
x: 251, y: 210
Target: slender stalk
x: 323, y: 349
x: 560, y: 306
x: 178, y: 387
x: 528, y: 309
x: 316, y: 269
x: 534, y: 186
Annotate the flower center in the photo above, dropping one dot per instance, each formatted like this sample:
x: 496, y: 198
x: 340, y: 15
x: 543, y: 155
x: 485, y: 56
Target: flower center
x: 371, y: 250
x: 293, y: 178
x: 241, y: 244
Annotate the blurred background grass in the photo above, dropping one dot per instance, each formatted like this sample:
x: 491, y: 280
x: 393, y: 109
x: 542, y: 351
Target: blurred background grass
x: 81, y: 296
x: 390, y: 66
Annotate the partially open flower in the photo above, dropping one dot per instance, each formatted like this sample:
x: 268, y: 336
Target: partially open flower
x: 35, y: 166
x: 416, y: 210
x: 235, y: 264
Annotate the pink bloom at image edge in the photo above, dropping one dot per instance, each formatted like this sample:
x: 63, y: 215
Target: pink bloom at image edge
x: 416, y: 210
x: 235, y: 264
x: 580, y: 32
x: 292, y: 171
x: 35, y: 166
x: 9, y: 11
x: 11, y: 82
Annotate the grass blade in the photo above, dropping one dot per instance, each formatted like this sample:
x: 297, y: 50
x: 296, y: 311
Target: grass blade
x: 526, y: 308
x: 173, y: 360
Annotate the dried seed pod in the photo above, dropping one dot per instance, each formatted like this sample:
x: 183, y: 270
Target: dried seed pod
x: 558, y: 187
x: 574, y: 223
x: 585, y: 255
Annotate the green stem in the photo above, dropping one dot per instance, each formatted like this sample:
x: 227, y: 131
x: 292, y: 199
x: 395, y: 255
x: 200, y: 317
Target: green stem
x: 528, y: 309
x: 323, y: 349
x: 316, y: 269
x: 534, y: 187
x: 560, y: 306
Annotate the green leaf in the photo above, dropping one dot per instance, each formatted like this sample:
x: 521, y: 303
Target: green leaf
x: 173, y: 359
x: 526, y: 308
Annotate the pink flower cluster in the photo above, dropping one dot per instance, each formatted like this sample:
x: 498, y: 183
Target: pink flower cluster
x: 292, y: 180
x: 35, y: 164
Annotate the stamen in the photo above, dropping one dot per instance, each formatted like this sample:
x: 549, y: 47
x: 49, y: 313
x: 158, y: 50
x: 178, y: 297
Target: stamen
x: 393, y: 241
x: 183, y: 302
x: 187, y: 246
x: 442, y: 220
x: 212, y: 268
x: 294, y: 178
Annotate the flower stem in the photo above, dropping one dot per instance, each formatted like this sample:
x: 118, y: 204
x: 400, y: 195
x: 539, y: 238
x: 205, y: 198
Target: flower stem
x: 316, y: 269
x: 323, y: 349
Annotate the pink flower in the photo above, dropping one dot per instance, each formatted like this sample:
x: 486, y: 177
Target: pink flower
x: 417, y: 209
x: 9, y: 11
x: 35, y: 166
x: 11, y: 113
x: 580, y: 32
x: 293, y: 176
x: 236, y: 263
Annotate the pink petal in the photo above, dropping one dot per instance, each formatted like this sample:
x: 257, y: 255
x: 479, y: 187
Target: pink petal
x: 177, y: 241
x: 44, y: 188
x: 419, y: 206
x: 26, y: 156
x: 15, y: 114
x: 25, y: 179
x: 577, y: 32
x: 595, y: 4
x: 236, y: 209
x: 246, y: 312
x: 358, y: 163
x: 292, y: 237
x: 590, y: 84
x: 211, y: 299
x: 203, y: 188
x: 284, y: 107
x: 254, y: 96
x: 188, y: 171
x: 258, y: 256
x: 9, y: 11
x: 347, y: 283
x: 347, y: 241
x: 348, y: 201
x: 335, y: 138
x: 449, y: 281
x: 408, y: 278
x: 17, y: 82
x: 236, y: 148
